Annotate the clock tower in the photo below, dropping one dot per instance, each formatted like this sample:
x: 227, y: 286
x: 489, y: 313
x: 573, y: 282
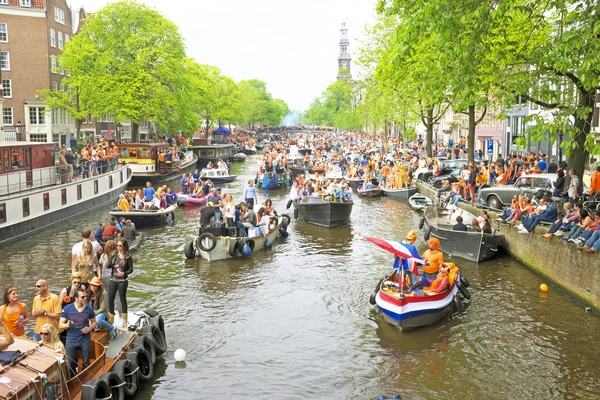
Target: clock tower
x: 344, y: 57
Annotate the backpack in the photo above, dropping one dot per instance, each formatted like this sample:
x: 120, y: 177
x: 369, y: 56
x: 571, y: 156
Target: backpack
x: 580, y: 188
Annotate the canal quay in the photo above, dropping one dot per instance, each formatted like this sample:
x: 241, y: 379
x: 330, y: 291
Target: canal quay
x: 295, y: 322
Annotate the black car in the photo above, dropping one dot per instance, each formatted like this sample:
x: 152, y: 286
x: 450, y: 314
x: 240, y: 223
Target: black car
x: 447, y: 167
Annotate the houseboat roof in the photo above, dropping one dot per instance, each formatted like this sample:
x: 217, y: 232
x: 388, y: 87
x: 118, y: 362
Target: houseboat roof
x: 23, y: 143
x: 214, y: 145
x: 143, y: 144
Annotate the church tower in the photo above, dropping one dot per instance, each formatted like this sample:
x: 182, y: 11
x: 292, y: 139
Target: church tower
x: 344, y: 57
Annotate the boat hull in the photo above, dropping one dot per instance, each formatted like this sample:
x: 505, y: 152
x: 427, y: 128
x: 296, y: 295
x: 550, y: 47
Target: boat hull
x: 370, y: 193
x: 317, y: 211
x: 189, y: 201
x: 223, y: 179
x: 143, y: 219
x: 140, y: 178
x: 403, y: 193
x: 418, y: 202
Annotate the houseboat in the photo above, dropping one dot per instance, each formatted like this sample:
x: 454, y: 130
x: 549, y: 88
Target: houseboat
x: 207, y: 151
x: 155, y: 162
x: 32, y: 196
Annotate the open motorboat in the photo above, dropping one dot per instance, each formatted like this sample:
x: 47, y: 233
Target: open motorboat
x: 471, y: 245
x: 189, y: 200
x: 401, y: 193
x: 145, y: 218
x: 418, y: 202
x: 373, y: 192
x: 239, y: 157
x: 217, y: 175
x: 323, y: 211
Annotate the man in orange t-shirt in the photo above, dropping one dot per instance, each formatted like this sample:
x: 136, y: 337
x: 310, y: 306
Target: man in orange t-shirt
x: 434, y: 258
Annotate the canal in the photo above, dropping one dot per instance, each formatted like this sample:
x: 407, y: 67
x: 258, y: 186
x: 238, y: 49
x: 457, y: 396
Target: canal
x: 296, y: 323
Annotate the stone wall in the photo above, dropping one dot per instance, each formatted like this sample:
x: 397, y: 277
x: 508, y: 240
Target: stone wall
x: 575, y: 271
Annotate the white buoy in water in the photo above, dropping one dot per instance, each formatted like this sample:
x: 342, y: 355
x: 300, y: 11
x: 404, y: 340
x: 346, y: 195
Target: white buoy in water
x: 179, y: 355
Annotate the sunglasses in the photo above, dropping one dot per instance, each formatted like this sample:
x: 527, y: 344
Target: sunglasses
x: 83, y: 297
x: 39, y: 286
x: 44, y: 333
x: 76, y: 282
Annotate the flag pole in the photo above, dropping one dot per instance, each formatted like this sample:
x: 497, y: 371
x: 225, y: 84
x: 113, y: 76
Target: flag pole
x: 401, y: 280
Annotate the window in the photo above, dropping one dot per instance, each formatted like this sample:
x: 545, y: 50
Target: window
x: 63, y: 196
x: 79, y: 192
x: 3, y: 32
x: 6, y: 2
x: 54, y: 85
x: 96, y: 186
x: 37, y: 116
x: 60, y: 40
x: 110, y: 182
x: 67, y: 37
x: 53, y: 64
x: 7, y: 115
x: 25, y: 3
x: 4, y: 61
x: 46, y: 201
x: 6, y: 88
x: 2, y: 213
x: 52, y: 37
x: 59, y: 15
x: 26, y: 207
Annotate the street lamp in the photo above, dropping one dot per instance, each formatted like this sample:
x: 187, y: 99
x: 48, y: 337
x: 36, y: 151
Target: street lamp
x: 19, y: 130
x: 560, y: 136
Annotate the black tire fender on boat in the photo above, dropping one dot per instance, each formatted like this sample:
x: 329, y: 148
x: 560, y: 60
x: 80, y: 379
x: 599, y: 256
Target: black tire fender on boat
x: 372, y: 299
x: 151, y: 313
x: 95, y: 389
x: 248, y: 241
x: 422, y: 223
x: 289, y: 204
x: 463, y: 290
x: 427, y: 233
x: 458, y: 304
x: 295, y: 213
x: 464, y: 281
x: 234, y: 248
x: 144, y: 342
x: 144, y: 362
x: 188, y: 248
x: 128, y: 374
x: 116, y: 385
x: 213, y: 241
x: 51, y: 390
x: 378, y: 285
x: 156, y: 338
x: 285, y: 220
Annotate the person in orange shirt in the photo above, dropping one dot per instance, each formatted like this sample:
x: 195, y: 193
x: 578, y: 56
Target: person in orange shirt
x: 434, y: 258
x: 595, y: 184
x: 102, y: 160
x: 385, y: 171
x: 124, y: 204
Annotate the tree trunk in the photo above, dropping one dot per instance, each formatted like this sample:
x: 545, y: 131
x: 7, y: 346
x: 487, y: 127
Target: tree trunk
x: 429, y: 126
x: 135, y: 132
x: 579, y: 155
x: 471, y: 136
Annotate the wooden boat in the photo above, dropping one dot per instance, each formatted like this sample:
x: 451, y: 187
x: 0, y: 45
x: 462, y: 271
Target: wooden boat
x: 217, y: 175
x: 145, y: 218
x: 117, y: 367
x: 471, y: 245
x: 218, y: 247
x: 323, y: 211
x: 32, y: 196
x: 401, y: 193
x: 418, y: 202
x: 187, y: 200
x: 133, y: 244
x: 239, y: 157
x: 145, y: 160
x: 374, y: 192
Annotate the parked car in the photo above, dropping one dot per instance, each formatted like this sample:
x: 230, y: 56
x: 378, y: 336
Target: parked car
x: 451, y: 177
x: 501, y: 195
x: 447, y: 167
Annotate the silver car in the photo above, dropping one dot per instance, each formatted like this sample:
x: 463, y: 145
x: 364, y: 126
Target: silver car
x: 501, y: 195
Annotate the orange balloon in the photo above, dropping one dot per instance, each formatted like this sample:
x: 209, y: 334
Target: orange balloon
x: 67, y: 299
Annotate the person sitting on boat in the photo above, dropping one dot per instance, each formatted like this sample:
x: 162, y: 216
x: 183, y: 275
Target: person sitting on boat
x: 79, y: 319
x: 249, y: 218
x: 154, y: 204
x: 98, y: 234
x: 459, y: 226
x: 163, y: 201
x: 110, y: 232
x: 124, y: 203
x: 7, y: 338
x: 129, y: 233
x: 49, y: 337
x: 434, y: 258
x: 171, y: 197
x: 368, y: 183
x: 217, y: 200
x: 209, y: 165
x: 347, y: 193
x: 185, y: 184
x: 475, y: 226
x: 99, y: 301
x: 440, y: 283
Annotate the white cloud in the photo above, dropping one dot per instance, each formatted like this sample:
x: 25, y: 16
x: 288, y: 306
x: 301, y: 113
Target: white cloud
x: 291, y: 45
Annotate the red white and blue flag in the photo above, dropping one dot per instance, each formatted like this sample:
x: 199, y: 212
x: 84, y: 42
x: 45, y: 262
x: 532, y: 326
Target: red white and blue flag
x: 407, y: 252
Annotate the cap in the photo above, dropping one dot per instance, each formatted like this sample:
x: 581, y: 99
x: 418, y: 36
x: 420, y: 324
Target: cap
x: 211, y: 204
x: 218, y: 188
x: 96, y: 281
x: 412, y: 235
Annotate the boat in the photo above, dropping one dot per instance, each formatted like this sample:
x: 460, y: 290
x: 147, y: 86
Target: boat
x: 187, y: 200
x: 374, y: 192
x: 471, y: 245
x: 400, y: 193
x: 239, y: 157
x: 32, y: 196
x: 273, y: 180
x: 249, y: 151
x: 214, y: 246
x: 355, y: 183
x: 146, y: 218
x: 304, y: 151
x: 418, y: 202
x: 152, y: 162
x: 217, y: 175
x: 133, y: 244
x: 207, y: 151
x: 323, y: 211
x: 117, y: 367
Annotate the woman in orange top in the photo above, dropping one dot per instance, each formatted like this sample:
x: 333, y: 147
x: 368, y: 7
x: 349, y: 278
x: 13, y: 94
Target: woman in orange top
x: 595, y: 184
x: 11, y: 312
x: 434, y: 257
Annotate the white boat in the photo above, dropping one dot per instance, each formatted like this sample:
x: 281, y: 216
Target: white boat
x: 32, y: 196
x: 419, y: 202
x: 214, y: 248
x: 151, y: 162
x: 217, y: 175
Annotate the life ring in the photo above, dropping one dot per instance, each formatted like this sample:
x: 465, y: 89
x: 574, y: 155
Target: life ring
x: 156, y: 338
x: 273, y: 224
x: 421, y: 223
x: 427, y: 233
x: 128, y: 375
x: 213, y: 241
x: 463, y: 290
x: 250, y: 242
x: 234, y: 248
x: 144, y: 342
x: 458, y: 304
x: 285, y: 221
x: 188, y: 248
x: 116, y: 385
x: 464, y: 281
x: 95, y: 389
x: 146, y: 368
x: 51, y: 390
x: 289, y: 204
x: 295, y: 213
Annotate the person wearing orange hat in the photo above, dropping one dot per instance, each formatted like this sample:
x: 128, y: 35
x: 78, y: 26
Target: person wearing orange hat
x: 99, y: 301
x: 434, y: 258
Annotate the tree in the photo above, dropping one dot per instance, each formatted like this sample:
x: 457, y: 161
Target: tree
x: 334, y: 107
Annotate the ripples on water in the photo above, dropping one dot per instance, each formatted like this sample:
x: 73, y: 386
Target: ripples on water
x: 295, y: 322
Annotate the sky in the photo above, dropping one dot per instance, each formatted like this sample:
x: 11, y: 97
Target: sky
x: 291, y: 45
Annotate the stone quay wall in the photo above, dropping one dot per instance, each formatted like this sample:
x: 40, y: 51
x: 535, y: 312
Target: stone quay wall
x: 577, y: 272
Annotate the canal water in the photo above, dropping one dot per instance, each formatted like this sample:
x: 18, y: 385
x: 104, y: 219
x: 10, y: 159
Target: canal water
x: 296, y: 323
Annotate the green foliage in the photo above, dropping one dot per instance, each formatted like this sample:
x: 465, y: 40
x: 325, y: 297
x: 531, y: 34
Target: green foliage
x: 334, y: 107
x: 258, y: 105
